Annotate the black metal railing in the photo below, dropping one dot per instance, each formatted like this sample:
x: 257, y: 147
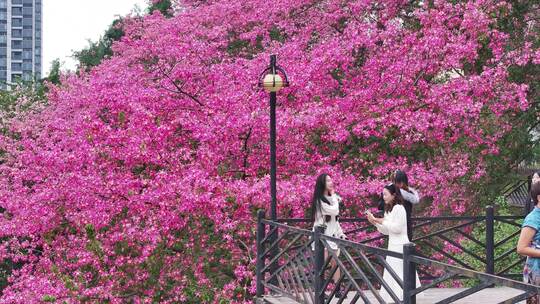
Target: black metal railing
x: 518, y: 194
x: 467, y: 241
x: 284, y: 265
x: 453, y: 273
x: 306, y: 263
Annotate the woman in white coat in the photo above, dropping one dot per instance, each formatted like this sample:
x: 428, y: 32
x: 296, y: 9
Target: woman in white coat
x: 325, y: 211
x: 394, y: 224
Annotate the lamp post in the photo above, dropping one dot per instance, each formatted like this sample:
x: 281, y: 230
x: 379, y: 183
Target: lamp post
x: 272, y: 82
x: 273, y: 79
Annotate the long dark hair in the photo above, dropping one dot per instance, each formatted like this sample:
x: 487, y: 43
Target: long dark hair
x: 401, y: 177
x: 398, y: 199
x: 537, y: 172
x: 535, y: 192
x: 318, y: 195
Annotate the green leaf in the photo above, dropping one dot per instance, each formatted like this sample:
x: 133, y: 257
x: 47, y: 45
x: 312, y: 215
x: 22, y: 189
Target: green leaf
x: 49, y: 298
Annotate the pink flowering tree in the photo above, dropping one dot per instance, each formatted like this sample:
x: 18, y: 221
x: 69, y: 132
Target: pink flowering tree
x: 141, y: 178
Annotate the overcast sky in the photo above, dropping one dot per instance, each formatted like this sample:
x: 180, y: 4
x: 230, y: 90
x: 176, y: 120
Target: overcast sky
x: 68, y: 24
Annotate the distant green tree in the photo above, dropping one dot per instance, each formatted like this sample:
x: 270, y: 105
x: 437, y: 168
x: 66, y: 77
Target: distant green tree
x: 94, y: 54
x: 164, y: 6
x: 54, y: 73
x: 96, y: 51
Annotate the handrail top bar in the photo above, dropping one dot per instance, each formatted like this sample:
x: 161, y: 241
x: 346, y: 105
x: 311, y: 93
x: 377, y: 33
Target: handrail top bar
x: 509, y: 217
x: 295, y: 229
x: 360, y: 219
x: 420, y: 218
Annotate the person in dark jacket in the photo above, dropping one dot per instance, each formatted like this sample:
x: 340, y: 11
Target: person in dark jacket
x: 410, y: 198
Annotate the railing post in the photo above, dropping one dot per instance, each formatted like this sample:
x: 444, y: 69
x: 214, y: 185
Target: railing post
x: 409, y: 274
x: 319, y: 264
x: 261, y: 233
x: 490, y: 240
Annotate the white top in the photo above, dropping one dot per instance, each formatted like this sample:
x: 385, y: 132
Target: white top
x: 333, y: 228
x: 395, y: 225
x: 411, y: 196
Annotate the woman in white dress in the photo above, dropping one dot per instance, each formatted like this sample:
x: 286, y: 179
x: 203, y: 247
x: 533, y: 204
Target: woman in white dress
x: 394, y: 224
x: 325, y: 211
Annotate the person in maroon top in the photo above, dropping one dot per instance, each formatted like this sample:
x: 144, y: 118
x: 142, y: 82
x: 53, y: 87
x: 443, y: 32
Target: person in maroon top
x: 410, y: 198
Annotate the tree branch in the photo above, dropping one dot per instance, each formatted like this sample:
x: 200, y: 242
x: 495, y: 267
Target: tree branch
x: 179, y: 89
